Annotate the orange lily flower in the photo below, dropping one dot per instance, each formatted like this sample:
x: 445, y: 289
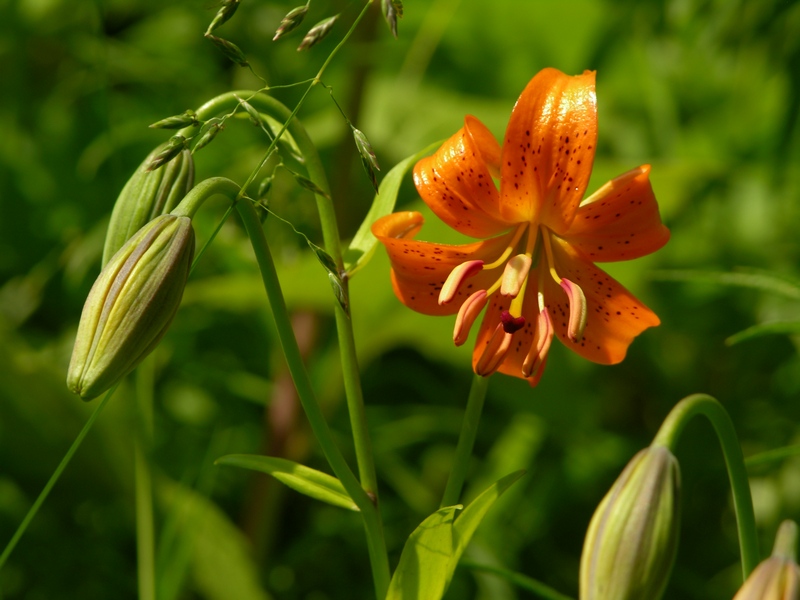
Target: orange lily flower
x: 536, y: 271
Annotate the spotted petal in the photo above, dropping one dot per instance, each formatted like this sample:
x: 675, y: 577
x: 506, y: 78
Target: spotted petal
x: 456, y: 181
x: 419, y: 269
x: 549, y: 149
x: 615, y: 316
x: 620, y: 221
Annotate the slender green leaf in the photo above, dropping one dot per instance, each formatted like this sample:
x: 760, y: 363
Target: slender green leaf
x: 215, y: 549
x: 751, y: 278
x: 424, y: 564
x: 363, y: 244
x: 523, y: 582
x: 781, y: 327
x: 300, y: 478
x: 770, y: 456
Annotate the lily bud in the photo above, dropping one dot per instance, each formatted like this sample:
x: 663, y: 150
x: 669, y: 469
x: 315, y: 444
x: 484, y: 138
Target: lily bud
x: 633, y: 536
x: 778, y: 577
x: 131, y: 304
x: 147, y: 195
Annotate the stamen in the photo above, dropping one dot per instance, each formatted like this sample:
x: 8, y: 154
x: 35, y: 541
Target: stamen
x: 515, y: 274
x: 495, y: 352
x: 467, y: 314
x: 577, y: 310
x: 510, y: 322
x: 543, y: 337
x: 551, y: 264
x: 509, y: 249
x: 577, y: 299
x: 457, y: 276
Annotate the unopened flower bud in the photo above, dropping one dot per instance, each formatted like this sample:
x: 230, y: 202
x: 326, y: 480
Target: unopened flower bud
x: 208, y: 136
x: 368, y: 159
x: 391, y: 10
x: 778, y: 577
x: 185, y: 119
x: 291, y: 21
x: 230, y: 50
x: 146, y: 195
x: 317, y: 33
x: 170, y: 150
x: 223, y: 14
x: 131, y: 304
x: 633, y: 536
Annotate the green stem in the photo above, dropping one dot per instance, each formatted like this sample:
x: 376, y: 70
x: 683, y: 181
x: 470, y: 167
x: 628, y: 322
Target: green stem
x: 204, y: 190
x: 466, y: 441
x: 145, y: 530
x: 669, y: 434
x: 372, y: 523
x: 53, y: 479
x: 330, y: 234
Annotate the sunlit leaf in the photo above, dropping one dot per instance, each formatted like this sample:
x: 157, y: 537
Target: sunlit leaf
x: 308, y: 481
x: 468, y: 521
x: 432, y: 551
x: 363, y: 244
x: 425, y: 562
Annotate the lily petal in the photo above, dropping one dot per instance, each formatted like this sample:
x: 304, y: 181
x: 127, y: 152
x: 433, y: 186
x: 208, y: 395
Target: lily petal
x: 549, y: 149
x: 614, y: 315
x: 419, y: 269
x: 620, y: 221
x: 456, y: 181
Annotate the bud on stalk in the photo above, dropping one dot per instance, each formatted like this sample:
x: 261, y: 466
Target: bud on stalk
x: 778, y: 577
x: 633, y: 536
x: 131, y: 305
x: 146, y: 195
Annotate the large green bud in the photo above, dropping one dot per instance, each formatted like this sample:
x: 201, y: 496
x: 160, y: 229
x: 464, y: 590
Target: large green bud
x: 778, y: 577
x: 146, y: 195
x: 131, y: 305
x: 633, y: 536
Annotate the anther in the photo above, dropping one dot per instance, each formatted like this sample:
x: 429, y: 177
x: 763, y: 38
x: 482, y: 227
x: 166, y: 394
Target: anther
x: 495, y: 352
x: 467, y: 314
x: 534, y: 362
x: 515, y: 274
x: 457, y: 276
x: 577, y: 310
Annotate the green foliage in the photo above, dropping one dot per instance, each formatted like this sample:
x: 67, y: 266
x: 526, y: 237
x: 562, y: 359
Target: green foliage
x: 706, y: 91
x: 310, y: 482
x: 433, y: 550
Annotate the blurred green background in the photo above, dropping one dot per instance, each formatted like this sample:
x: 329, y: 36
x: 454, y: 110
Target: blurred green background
x: 708, y: 92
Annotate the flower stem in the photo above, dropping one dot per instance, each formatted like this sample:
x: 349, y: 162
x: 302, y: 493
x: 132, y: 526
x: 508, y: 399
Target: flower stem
x: 330, y: 234
x: 372, y: 522
x: 669, y: 434
x: 54, y: 478
x: 145, y: 533
x: 466, y: 440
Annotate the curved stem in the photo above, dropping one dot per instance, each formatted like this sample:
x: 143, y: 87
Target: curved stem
x: 466, y: 441
x: 54, y: 478
x: 204, y: 190
x: 372, y: 522
x: 330, y: 234
x: 669, y: 434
